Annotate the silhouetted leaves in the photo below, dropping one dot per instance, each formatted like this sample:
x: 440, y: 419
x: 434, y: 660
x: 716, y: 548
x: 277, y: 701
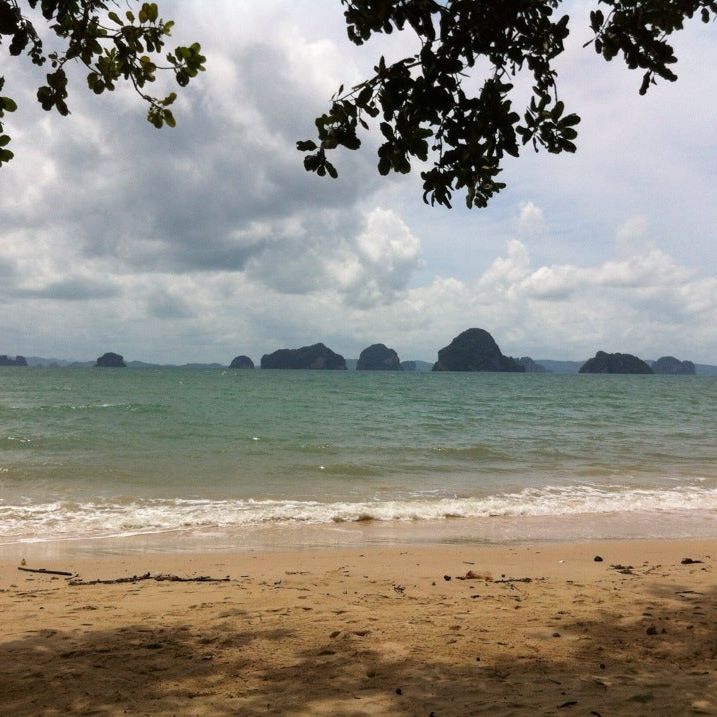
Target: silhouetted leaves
x: 423, y: 103
x: 639, y: 31
x: 114, y: 48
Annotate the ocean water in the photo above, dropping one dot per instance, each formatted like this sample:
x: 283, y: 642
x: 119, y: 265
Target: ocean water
x: 230, y: 455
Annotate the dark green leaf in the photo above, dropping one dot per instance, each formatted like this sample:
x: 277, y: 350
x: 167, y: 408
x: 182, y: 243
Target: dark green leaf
x: 569, y: 120
x: 387, y: 130
x: 8, y: 104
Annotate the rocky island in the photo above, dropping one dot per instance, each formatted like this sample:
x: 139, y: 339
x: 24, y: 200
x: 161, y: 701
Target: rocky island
x: 316, y: 356
x: 418, y: 366
x: 475, y: 350
x: 673, y: 366
x: 378, y: 357
x: 17, y: 361
x: 241, y: 362
x: 604, y: 362
x: 111, y: 360
x: 531, y: 366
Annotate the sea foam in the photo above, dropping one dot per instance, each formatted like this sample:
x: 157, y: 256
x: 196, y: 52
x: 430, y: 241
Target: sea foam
x: 124, y: 517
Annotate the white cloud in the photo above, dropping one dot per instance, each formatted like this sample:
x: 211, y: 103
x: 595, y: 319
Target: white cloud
x: 631, y: 236
x: 211, y: 240
x: 506, y: 272
x: 655, y: 269
x: 382, y: 262
x: 545, y: 311
x: 531, y: 219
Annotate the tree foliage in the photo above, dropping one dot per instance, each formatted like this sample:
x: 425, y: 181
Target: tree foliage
x: 113, y: 45
x: 424, y: 106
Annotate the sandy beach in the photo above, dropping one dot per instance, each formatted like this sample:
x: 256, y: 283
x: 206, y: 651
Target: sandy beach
x: 542, y: 628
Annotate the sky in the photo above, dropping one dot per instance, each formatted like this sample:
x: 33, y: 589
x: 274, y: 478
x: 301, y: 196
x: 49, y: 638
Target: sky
x: 210, y: 240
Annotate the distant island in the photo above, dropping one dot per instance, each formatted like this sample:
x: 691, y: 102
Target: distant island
x: 416, y: 365
x: 241, y: 362
x: 17, y: 361
x: 111, y: 360
x: 673, y: 366
x: 665, y: 365
x: 378, y: 357
x: 315, y: 357
x: 531, y: 366
x: 475, y: 350
x: 604, y: 362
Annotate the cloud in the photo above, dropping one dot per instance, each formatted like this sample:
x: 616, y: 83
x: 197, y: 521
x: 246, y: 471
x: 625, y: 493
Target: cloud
x: 8, y: 269
x: 632, y: 235
x: 654, y: 269
x: 169, y: 305
x: 70, y: 289
x: 548, y: 310
x: 530, y: 220
x: 634, y: 227
x: 189, y: 199
x: 646, y: 305
x: 210, y: 240
x: 551, y: 283
x: 644, y: 300
x: 506, y: 272
x: 381, y: 262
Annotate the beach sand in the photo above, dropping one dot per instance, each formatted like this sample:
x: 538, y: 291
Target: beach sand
x: 531, y: 629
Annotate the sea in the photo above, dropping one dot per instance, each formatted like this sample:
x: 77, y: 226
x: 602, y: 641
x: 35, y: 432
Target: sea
x: 218, y: 459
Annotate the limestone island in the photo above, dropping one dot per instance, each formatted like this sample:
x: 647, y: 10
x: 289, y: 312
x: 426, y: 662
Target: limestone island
x: 111, y: 360
x: 378, y: 357
x: 416, y: 366
x: 604, y: 362
x: 17, y: 361
x: 317, y: 356
x: 241, y: 362
x: 531, y: 366
x: 475, y: 350
x: 673, y: 366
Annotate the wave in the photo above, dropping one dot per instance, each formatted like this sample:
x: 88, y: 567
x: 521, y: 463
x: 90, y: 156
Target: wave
x: 68, y: 407
x: 125, y: 517
x: 82, y: 406
x: 470, y: 452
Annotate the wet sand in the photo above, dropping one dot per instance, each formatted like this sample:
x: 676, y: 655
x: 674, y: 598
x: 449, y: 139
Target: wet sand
x: 444, y: 630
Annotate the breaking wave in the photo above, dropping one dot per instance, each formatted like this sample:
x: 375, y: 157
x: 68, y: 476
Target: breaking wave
x: 38, y: 522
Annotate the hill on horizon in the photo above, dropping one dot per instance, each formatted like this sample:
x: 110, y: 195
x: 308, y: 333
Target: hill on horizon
x: 556, y: 366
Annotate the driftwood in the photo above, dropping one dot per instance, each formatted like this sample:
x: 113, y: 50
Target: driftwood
x: 514, y: 580
x: 159, y: 577
x: 471, y: 575
x: 45, y: 571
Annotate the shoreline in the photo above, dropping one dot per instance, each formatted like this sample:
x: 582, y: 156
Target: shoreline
x: 278, y: 557
x: 517, y: 629
x: 486, y: 531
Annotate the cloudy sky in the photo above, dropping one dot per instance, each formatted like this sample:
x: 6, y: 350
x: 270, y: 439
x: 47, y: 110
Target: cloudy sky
x: 209, y: 240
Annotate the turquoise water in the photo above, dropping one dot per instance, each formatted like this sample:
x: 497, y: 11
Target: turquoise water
x: 98, y: 452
